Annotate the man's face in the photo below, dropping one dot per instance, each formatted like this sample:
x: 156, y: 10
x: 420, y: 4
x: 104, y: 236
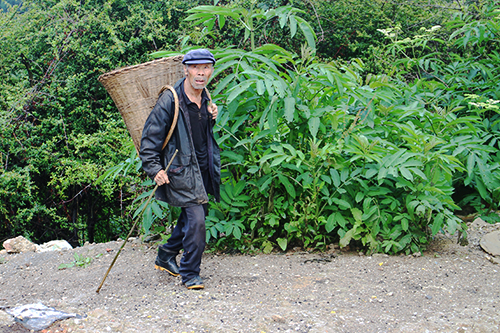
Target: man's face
x: 198, y: 74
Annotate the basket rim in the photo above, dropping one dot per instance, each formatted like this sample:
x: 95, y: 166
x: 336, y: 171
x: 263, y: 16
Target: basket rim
x: 135, y: 67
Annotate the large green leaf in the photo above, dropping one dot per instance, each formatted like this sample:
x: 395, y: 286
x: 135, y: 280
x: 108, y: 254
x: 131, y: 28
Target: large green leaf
x: 288, y: 186
x: 289, y: 108
x: 308, y: 32
x: 313, y: 123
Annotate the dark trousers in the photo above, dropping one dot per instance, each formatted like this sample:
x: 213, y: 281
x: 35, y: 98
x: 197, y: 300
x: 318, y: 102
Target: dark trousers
x: 189, y: 234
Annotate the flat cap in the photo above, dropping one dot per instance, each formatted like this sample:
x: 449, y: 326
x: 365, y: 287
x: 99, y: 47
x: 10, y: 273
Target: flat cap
x: 198, y: 56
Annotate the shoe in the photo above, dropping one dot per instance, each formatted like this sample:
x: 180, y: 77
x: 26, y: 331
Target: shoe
x: 165, y: 261
x: 195, y: 283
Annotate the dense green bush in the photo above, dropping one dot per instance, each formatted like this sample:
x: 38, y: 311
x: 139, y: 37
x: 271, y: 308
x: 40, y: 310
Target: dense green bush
x: 316, y: 153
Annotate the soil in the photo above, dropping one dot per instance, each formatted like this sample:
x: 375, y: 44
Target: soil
x: 449, y: 288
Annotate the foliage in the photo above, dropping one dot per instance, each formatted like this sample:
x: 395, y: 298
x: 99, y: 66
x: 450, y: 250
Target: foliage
x: 79, y: 260
x: 252, y: 19
x: 315, y: 152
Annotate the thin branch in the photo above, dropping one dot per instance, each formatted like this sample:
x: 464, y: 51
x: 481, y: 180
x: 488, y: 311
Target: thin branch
x: 76, y: 195
x: 319, y: 22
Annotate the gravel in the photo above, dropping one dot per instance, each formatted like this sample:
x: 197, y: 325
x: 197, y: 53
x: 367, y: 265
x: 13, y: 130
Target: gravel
x: 449, y: 288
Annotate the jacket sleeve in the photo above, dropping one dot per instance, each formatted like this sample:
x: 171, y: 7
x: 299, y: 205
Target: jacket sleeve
x: 154, y: 133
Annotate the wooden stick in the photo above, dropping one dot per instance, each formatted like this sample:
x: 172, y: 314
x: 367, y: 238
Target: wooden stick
x: 133, y: 227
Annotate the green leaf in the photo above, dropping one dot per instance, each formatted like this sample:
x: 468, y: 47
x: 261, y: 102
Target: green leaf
x: 213, y: 231
x: 314, y: 126
x: 261, y: 88
x: 278, y: 161
x: 222, y: 85
x: 437, y: 224
x: 269, y: 87
x: 331, y: 223
x: 222, y: 21
x: 239, y: 89
x: 335, y: 176
x: 282, y: 242
x: 238, y: 123
x: 289, y: 187
x: 344, y: 241
x: 232, y: 155
x: 308, y: 32
x: 225, y: 197
x: 404, y: 224
x: 293, y: 25
x: 236, y: 232
x: 470, y: 163
x: 357, y: 214
x: 340, y: 220
x: 147, y: 219
x: 289, y: 108
x: 359, y: 196
x: 406, y: 173
x: 342, y: 203
x: 238, y: 188
x: 157, y: 210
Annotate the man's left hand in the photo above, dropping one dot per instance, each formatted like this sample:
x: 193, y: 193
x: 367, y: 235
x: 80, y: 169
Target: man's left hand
x: 212, y: 108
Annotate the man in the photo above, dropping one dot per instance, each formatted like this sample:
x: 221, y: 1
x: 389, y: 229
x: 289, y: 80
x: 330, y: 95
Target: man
x: 195, y: 170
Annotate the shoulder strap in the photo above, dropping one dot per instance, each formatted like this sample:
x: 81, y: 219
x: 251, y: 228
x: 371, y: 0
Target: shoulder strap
x: 176, y: 113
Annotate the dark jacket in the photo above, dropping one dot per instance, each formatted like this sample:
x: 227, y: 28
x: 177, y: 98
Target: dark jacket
x: 186, y: 184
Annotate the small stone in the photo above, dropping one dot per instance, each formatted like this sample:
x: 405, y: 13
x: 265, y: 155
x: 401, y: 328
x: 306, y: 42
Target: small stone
x: 493, y: 260
x: 479, y: 224
x: 19, y: 244
x: 417, y: 254
x: 385, y: 255
x: 56, y: 245
x: 278, y: 319
x: 390, y: 294
x: 491, y: 243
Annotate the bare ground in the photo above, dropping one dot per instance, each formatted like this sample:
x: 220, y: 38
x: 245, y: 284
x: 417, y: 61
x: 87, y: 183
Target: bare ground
x: 450, y: 288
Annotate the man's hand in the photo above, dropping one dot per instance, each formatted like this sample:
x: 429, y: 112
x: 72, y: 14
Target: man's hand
x: 161, y: 178
x: 212, y: 108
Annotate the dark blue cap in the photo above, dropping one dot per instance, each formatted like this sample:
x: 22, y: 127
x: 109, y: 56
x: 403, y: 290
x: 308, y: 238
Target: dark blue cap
x: 199, y: 56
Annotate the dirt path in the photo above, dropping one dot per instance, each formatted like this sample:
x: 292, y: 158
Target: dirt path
x: 450, y: 288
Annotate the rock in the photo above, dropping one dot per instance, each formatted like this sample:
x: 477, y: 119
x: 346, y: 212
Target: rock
x: 479, y: 224
x: 278, y: 319
x: 493, y: 260
x: 56, y: 245
x: 19, y: 244
x: 491, y: 243
x: 37, y: 316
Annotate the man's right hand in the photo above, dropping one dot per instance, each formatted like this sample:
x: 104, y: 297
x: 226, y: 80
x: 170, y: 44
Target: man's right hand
x: 161, y: 178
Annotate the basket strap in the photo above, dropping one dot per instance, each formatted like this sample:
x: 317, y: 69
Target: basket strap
x: 209, y: 97
x: 176, y: 113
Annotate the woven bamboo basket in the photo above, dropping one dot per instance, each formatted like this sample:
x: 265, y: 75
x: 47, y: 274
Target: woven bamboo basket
x: 135, y: 89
